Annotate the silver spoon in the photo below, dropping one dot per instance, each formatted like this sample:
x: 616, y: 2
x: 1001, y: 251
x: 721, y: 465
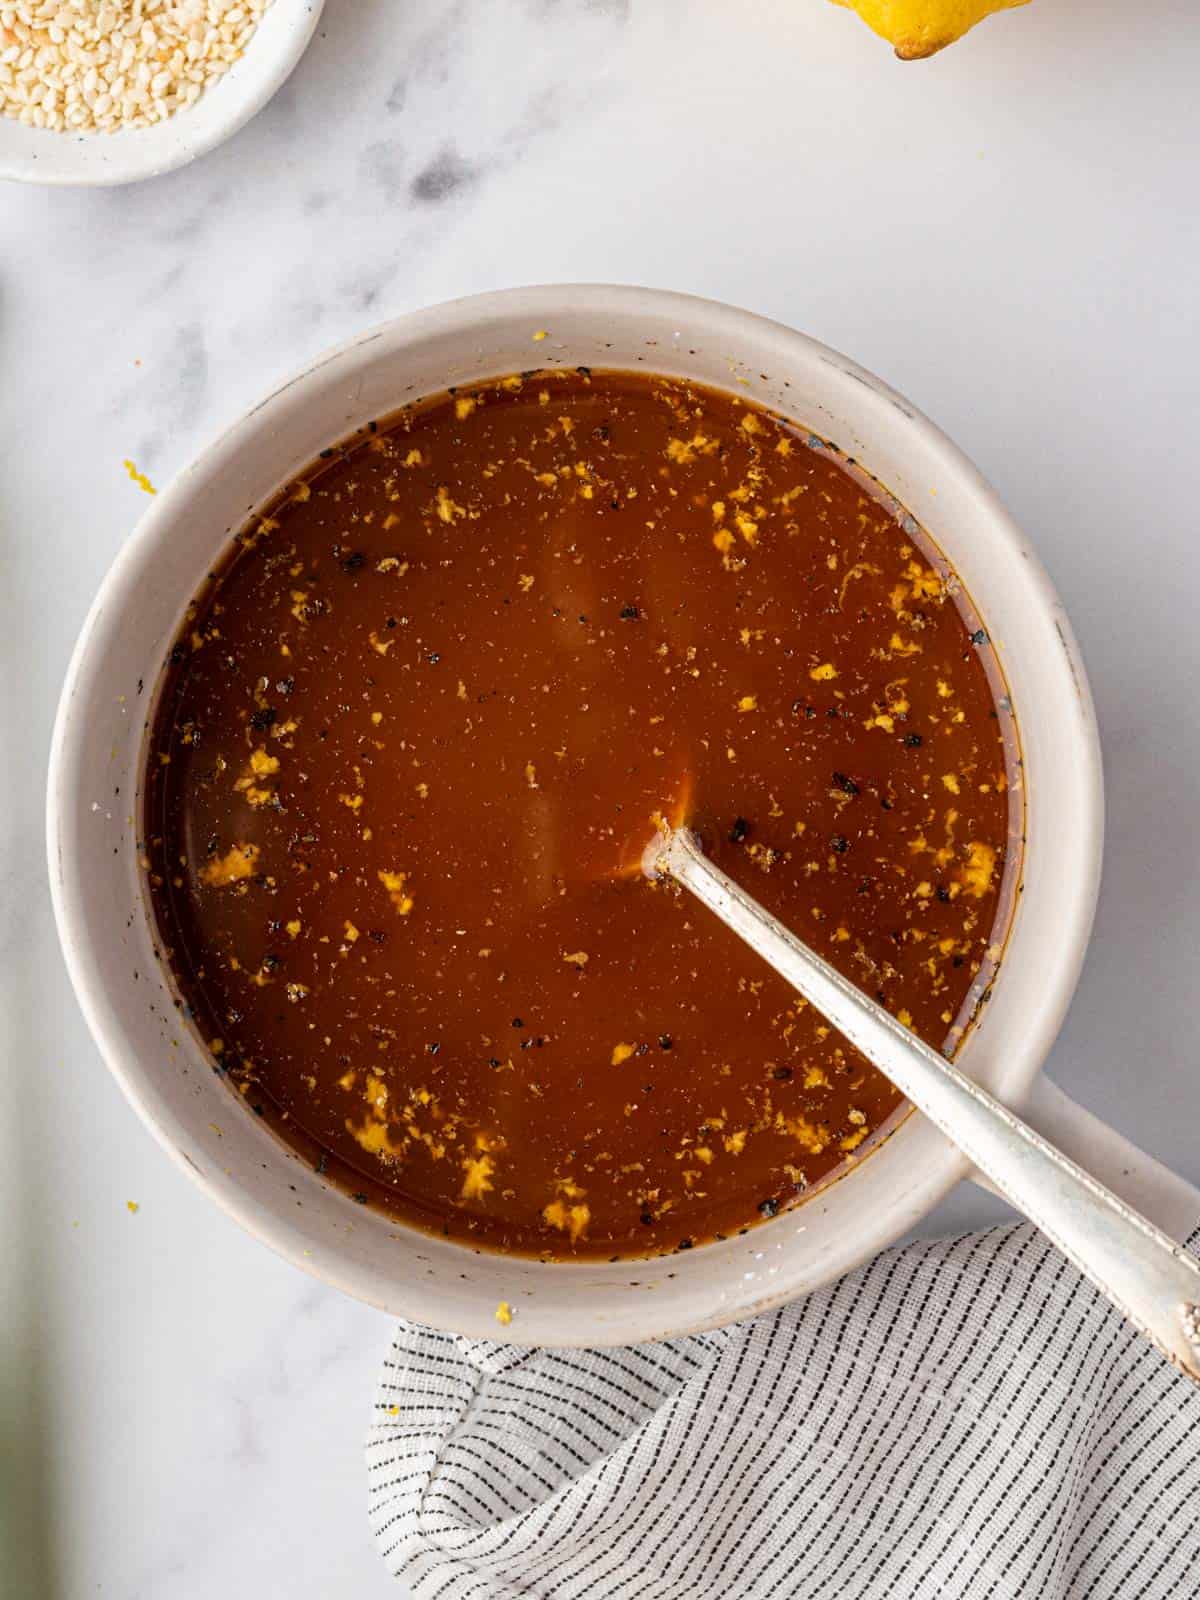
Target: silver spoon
x: 1146, y: 1275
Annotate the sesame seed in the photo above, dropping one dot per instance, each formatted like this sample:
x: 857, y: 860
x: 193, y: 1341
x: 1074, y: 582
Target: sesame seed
x: 97, y: 66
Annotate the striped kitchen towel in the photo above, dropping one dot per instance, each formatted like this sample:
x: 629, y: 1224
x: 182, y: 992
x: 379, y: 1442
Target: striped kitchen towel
x: 964, y: 1418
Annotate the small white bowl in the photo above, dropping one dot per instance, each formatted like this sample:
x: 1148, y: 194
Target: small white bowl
x: 40, y: 155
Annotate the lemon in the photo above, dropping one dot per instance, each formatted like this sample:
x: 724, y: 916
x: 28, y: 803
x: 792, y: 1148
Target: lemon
x: 921, y: 27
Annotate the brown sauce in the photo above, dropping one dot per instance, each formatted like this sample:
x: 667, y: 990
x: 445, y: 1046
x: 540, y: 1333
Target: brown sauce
x: 417, y: 726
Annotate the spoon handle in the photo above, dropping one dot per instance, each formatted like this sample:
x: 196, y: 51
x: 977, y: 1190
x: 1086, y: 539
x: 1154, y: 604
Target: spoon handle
x: 1146, y: 1275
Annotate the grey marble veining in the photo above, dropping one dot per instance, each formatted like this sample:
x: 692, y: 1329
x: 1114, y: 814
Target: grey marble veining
x: 1006, y: 233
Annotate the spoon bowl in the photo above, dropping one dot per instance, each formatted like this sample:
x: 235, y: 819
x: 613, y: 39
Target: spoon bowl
x: 99, y: 744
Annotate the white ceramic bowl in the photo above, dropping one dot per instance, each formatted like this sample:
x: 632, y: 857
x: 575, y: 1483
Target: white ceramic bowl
x: 38, y: 155
x: 98, y: 893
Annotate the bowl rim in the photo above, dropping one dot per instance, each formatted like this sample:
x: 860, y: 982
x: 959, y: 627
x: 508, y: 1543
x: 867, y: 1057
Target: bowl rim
x: 470, y: 315
x: 52, y: 157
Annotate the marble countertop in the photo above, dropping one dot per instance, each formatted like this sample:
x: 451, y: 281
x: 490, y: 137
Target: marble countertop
x: 1005, y: 233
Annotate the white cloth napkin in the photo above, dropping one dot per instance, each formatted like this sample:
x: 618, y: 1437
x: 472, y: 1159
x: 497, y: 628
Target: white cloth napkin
x: 964, y: 1418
